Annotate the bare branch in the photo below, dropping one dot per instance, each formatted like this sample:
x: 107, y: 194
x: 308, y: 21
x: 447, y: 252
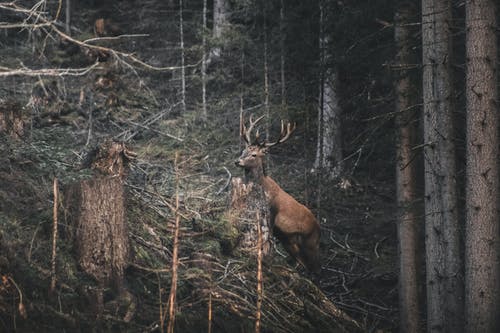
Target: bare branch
x: 5, y: 71
x: 37, y: 19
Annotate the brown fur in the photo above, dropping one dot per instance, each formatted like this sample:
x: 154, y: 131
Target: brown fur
x: 105, y: 27
x: 100, y: 27
x: 294, y: 224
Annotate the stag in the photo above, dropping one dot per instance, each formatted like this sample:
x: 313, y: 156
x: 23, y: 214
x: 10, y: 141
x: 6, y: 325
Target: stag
x: 293, y: 224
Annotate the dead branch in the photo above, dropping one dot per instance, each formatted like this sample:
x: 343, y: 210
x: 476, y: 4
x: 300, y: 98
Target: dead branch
x: 227, y: 182
x: 40, y: 21
x: 54, y: 237
x: 259, y: 275
x: 5, y: 71
x: 175, y: 255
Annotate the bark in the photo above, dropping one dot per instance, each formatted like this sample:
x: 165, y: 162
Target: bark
x: 67, y: 25
x: 329, y: 155
x: 443, y: 259
x: 97, y: 223
x: 11, y: 119
x: 248, y: 205
x: 101, y: 233
x: 220, y: 24
x: 482, y: 225
x: 406, y: 171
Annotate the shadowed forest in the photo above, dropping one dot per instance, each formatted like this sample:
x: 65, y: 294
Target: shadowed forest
x: 140, y: 143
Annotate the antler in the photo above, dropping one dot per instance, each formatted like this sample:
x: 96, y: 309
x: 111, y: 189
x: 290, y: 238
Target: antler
x: 245, y: 133
x: 284, y: 135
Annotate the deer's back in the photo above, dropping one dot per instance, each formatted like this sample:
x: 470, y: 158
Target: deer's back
x: 291, y: 217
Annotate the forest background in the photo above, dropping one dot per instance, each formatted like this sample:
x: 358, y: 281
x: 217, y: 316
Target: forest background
x: 395, y: 152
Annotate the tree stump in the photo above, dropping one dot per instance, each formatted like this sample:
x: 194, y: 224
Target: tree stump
x: 248, y: 209
x: 97, y: 221
x: 100, y: 231
x: 11, y: 119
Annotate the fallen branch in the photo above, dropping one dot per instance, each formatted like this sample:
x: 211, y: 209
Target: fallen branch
x: 5, y: 71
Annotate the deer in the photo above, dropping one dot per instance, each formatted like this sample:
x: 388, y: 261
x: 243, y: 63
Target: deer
x: 293, y: 224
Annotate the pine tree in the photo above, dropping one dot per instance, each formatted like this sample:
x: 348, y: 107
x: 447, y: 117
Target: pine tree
x: 482, y: 227
x: 443, y: 259
x: 406, y: 169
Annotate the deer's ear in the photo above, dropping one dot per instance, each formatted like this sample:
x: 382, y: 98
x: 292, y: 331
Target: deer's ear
x: 264, y: 150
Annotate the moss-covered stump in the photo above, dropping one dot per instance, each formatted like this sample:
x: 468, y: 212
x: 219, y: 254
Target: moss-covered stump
x: 11, y: 119
x: 249, y: 208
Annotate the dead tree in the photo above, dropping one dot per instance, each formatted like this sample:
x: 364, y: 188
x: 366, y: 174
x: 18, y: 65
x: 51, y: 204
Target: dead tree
x: 97, y: 224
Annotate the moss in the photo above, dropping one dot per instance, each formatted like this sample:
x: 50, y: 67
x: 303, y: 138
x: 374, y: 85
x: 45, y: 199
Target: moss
x: 228, y: 234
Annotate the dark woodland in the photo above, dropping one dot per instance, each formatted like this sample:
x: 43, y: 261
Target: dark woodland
x: 249, y: 166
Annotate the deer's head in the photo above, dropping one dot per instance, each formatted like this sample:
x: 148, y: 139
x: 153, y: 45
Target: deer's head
x: 252, y: 156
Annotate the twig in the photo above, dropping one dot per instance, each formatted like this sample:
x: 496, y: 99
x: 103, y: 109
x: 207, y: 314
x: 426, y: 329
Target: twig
x: 259, y: 275
x: 156, y: 131
x: 97, y: 39
x: 210, y: 309
x: 38, y: 16
x: 162, y: 318
x: 20, y: 307
x: 54, y: 237
x: 5, y: 71
x: 383, y: 308
x: 227, y: 182
x: 175, y: 252
x: 150, y: 270
x: 33, y: 241
x: 347, y: 248
x: 376, y: 247
x: 89, y: 133
x: 162, y: 250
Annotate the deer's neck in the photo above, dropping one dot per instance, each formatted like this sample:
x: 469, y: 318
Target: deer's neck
x: 255, y: 175
x: 258, y: 175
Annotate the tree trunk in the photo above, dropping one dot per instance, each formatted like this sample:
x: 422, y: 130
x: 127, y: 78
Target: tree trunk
x: 266, y: 76
x: 443, y: 259
x: 220, y: 24
x: 204, y: 63
x: 329, y: 155
x: 482, y: 225
x: 101, y: 231
x: 67, y: 25
x: 183, y: 70
x: 97, y: 219
x: 282, y: 56
x: 406, y: 170
x: 11, y: 119
x: 249, y: 206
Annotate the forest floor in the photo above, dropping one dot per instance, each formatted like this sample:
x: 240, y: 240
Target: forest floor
x: 358, y: 245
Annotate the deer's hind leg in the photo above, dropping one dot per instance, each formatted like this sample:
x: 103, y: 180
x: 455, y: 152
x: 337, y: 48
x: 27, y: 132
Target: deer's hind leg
x: 310, y: 252
x: 293, y: 245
